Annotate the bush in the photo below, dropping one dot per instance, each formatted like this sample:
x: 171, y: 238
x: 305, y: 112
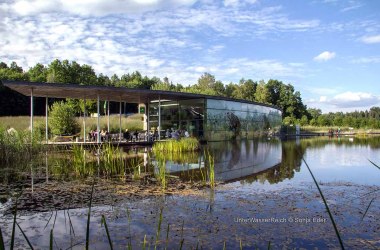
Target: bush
x: 62, y: 119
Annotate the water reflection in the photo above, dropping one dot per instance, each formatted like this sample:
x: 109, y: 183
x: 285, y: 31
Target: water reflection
x: 260, y: 160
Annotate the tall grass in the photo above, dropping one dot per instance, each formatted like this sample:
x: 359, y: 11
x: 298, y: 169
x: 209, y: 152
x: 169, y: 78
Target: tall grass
x: 132, y: 122
x: 182, y: 145
x: 161, y: 175
x: 211, y: 168
x: 112, y: 159
x: 17, y: 147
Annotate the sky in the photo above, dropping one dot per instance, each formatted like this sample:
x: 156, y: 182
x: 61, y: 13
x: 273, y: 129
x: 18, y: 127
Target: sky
x: 329, y: 50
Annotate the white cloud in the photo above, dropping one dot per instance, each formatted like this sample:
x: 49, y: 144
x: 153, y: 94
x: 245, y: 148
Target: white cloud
x: 323, y: 98
x: 363, y: 60
x: 94, y: 7
x: 325, y: 56
x: 346, y: 102
x: 354, y: 99
x: 371, y: 39
x: 237, y: 3
x: 351, y: 100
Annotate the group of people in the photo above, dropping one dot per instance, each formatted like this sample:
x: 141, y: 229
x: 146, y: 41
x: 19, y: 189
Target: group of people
x: 177, y: 134
x: 135, y: 135
x: 104, y: 135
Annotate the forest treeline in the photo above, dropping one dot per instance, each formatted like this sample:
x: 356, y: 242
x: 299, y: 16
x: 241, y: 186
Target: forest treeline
x: 272, y: 92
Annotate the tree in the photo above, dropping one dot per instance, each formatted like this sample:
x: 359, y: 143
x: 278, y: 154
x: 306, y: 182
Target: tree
x: 304, y: 121
x: 62, y: 119
x: 38, y: 73
x: 245, y: 90
x: 262, y: 93
x: 229, y: 89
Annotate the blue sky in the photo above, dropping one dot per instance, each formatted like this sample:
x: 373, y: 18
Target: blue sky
x: 328, y: 49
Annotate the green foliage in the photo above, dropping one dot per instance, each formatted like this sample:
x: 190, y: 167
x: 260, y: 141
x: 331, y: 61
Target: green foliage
x: 38, y: 73
x: 182, y: 145
x: 62, y: 119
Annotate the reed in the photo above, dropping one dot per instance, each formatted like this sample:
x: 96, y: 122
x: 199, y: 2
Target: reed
x: 167, y: 236
x: 161, y: 175
x: 326, y: 205
x: 112, y: 160
x: 211, y: 165
x: 14, y: 226
x: 89, y: 216
x: 158, y: 232
x: 26, y: 238
x: 103, y: 221
x: 18, y: 146
x: 374, y: 164
x: 367, y: 208
x: 2, y: 246
x: 182, y: 145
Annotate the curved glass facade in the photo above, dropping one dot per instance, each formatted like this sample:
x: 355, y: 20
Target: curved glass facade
x: 213, y: 119
x: 232, y: 119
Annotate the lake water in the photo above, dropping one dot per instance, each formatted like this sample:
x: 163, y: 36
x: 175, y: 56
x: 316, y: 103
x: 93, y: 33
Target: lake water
x: 264, y: 196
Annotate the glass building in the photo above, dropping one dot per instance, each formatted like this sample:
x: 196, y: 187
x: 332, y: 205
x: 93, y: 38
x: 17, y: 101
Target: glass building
x: 214, y: 119
x: 208, y: 118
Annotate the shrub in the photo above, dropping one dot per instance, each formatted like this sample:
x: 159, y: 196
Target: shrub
x: 62, y: 119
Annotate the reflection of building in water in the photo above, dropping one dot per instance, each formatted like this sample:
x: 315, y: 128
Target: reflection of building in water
x: 233, y: 160
x: 244, y: 158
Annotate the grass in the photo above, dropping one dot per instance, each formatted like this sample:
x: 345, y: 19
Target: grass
x: 177, y: 146
x: 22, y: 123
x: 18, y: 147
x: 211, y: 168
x: 343, y: 129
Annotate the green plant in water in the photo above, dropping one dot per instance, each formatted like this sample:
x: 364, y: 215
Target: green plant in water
x: 79, y: 159
x: 108, y: 234
x: 209, y: 159
x: 89, y: 216
x: 326, y: 205
x: 161, y: 176
x: 182, y: 145
x: 18, y: 146
x: 158, y: 229
x: 112, y: 160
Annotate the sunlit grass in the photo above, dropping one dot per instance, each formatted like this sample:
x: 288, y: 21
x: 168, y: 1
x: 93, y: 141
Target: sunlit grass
x: 182, y: 145
x: 22, y: 123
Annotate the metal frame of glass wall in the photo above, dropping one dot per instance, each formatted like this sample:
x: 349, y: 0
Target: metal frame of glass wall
x: 232, y: 119
x: 177, y: 115
x: 213, y: 119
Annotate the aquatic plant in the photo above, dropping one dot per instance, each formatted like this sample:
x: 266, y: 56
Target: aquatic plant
x: 103, y: 221
x: 374, y: 164
x: 89, y: 216
x: 182, y: 145
x: 112, y: 159
x: 161, y: 174
x: 2, y: 246
x: 18, y: 146
x: 326, y: 205
x: 211, y: 169
x: 158, y: 231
